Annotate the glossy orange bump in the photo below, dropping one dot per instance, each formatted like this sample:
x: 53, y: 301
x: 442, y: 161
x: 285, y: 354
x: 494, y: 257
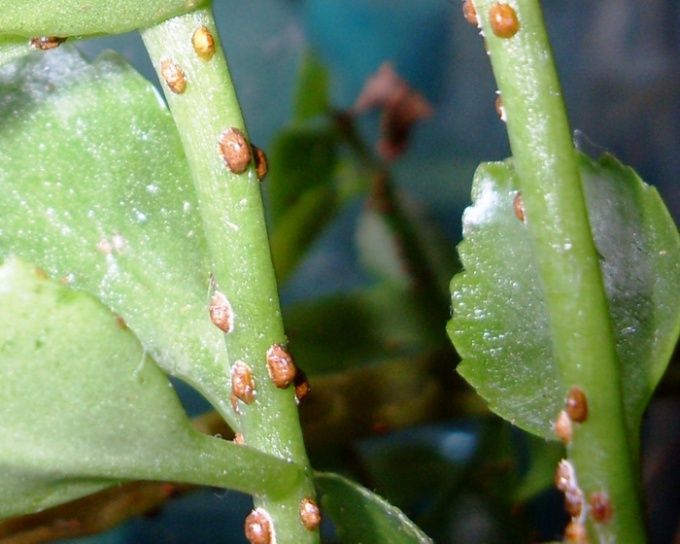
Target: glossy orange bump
x: 46, y: 42
x: 235, y: 150
x: 281, y: 367
x: 242, y: 383
x: 562, y: 427
x: 261, y: 164
x: 575, y: 533
x: 173, y: 76
x: 258, y: 527
x: 470, y: 12
x: 221, y: 312
x: 503, y: 20
x: 518, y: 206
x: 204, y: 43
x: 600, y: 507
x: 310, y: 515
x: 577, y: 405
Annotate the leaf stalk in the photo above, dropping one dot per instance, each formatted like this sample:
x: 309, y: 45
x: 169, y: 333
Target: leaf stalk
x: 546, y: 164
x: 203, y: 101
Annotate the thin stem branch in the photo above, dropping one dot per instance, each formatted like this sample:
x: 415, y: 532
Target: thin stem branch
x: 201, y: 96
x: 555, y: 211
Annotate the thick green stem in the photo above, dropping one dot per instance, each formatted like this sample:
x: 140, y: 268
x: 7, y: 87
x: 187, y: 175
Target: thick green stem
x: 203, y: 101
x: 555, y: 211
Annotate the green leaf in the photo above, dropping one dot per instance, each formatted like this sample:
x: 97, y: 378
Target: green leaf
x: 302, y: 159
x: 81, y: 17
x: 12, y: 47
x: 381, y: 322
x: 300, y: 227
x: 312, y: 97
x: 95, y: 190
x: 302, y: 196
x: 500, y: 326
x: 82, y: 406
x: 362, y: 516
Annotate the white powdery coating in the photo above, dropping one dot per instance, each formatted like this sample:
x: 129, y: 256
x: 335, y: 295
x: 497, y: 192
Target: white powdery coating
x: 486, y: 200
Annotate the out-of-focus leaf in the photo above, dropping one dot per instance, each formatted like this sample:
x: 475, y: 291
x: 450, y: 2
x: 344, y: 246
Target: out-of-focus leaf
x: 543, y: 458
x: 81, y: 17
x: 500, y: 326
x: 312, y: 96
x: 379, y: 248
x: 362, y: 517
x: 345, y: 330
x: 82, y: 406
x: 95, y: 190
x: 299, y: 227
x: 433, y: 465
x: 387, y: 239
x: 302, y: 159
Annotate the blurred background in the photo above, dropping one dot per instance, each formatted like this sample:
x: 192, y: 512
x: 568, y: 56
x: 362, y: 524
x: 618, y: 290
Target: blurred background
x: 619, y: 64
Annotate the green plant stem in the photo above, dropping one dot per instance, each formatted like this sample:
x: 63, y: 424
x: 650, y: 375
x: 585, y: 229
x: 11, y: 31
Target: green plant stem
x: 555, y: 211
x: 233, y: 219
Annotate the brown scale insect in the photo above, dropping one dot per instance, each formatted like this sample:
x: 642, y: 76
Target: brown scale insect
x: 600, y: 507
x: 562, y: 427
x: 204, y: 43
x: 221, y: 312
x: 301, y: 385
x: 234, y: 403
x: 258, y: 527
x: 242, y: 383
x: 261, y: 164
x: 573, y: 502
x: 564, y: 475
x: 238, y: 439
x: 575, y: 533
x: 470, y: 12
x: 281, y: 367
x: 503, y: 20
x: 310, y: 515
x: 577, y: 405
x: 173, y: 76
x: 235, y: 150
x: 518, y: 206
x: 500, y: 110
x: 45, y: 43
x: 120, y: 323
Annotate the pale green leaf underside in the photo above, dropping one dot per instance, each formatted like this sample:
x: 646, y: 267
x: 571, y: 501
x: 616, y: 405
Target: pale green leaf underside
x: 82, y: 406
x: 82, y: 17
x: 362, y: 517
x: 95, y: 190
x: 13, y: 47
x: 500, y: 325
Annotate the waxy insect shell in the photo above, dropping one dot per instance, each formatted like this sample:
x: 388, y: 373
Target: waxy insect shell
x: 503, y: 20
